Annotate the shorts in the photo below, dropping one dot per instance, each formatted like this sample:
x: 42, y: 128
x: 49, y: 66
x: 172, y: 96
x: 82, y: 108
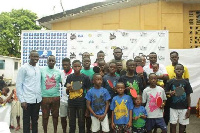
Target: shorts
x: 96, y: 124
x: 152, y: 123
x: 63, y: 109
x: 178, y: 114
x: 50, y: 104
x: 139, y: 130
x: 122, y: 128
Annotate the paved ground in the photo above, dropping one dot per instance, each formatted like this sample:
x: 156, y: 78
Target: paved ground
x: 193, y: 127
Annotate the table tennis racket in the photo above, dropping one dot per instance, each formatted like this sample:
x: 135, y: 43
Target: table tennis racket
x: 139, y: 69
x: 76, y: 85
x: 110, y: 83
x: 159, y: 102
x: 96, y: 69
x: 133, y: 92
x: 179, y: 91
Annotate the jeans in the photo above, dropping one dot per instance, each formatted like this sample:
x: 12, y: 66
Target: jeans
x: 80, y: 111
x: 32, y: 112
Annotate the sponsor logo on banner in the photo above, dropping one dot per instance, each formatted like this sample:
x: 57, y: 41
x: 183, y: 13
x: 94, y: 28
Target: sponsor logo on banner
x: 124, y: 47
x: 89, y: 35
x: 124, y: 34
x: 91, y: 41
x: 73, y: 36
x: 143, y: 48
x: 161, y: 57
x: 99, y: 35
x: 44, y: 54
x: 125, y: 57
x: 80, y: 35
x: 112, y: 36
x: 133, y: 40
x: 80, y: 41
x: 161, y: 34
x: 113, y: 47
x: 72, y: 55
x: 73, y: 47
x: 91, y: 54
x: 152, y: 40
x: 143, y: 34
x: 161, y: 48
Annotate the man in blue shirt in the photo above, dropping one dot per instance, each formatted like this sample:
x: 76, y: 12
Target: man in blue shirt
x: 29, y: 92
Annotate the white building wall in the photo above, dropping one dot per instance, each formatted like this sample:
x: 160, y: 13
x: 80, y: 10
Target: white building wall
x: 9, y: 70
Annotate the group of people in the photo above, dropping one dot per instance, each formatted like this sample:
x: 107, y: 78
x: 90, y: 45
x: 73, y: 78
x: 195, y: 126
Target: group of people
x: 99, y: 94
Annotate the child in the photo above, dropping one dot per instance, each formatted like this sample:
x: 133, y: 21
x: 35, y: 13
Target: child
x: 130, y: 79
x: 119, y: 68
x: 180, y: 105
x: 139, y: 116
x: 159, y: 73
x: 111, y: 78
x: 154, y: 113
x: 98, y: 104
x: 86, y: 67
x: 102, y: 65
x: 121, y: 106
x: 88, y: 72
x: 76, y: 101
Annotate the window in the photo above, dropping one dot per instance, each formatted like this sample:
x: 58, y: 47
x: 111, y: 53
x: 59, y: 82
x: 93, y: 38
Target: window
x: 16, y: 66
x: 2, y: 64
x: 194, y: 22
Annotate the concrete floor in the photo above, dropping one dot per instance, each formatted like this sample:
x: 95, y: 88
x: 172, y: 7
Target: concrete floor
x: 193, y: 127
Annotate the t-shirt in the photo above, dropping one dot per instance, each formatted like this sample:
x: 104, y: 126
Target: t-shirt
x: 135, y: 81
x: 50, y: 82
x: 105, y: 84
x: 98, y: 98
x: 64, y: 75
x: 88, y: 73
x: 150, y: 96
x: 121, y: 107
x: 76, y: 97
x: 140, y: 122
x: 171, y: 73
x: 179, y: 102
x: 148, y: 69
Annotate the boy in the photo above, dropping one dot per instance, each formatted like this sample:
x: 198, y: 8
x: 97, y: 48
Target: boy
x: 139, y: 116
x: 121, y: 106
x: 180, y: 105
x: 76, y: 101
x: 67, y: 70
x: 131, y: 78
x: 119, y: 68
x: 154, y: 113
x: 111, y: 78
x: 86, y: 67
x: 159, y: 73
x: 98, y: 104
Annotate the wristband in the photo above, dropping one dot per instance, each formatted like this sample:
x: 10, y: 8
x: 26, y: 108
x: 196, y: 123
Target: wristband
x: 189, y: 108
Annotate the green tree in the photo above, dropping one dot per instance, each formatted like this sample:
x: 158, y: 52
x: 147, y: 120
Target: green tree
x: 11, y: 25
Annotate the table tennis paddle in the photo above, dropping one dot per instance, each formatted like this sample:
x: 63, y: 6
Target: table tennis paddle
x: 110, y: 83
x: 133, y: 92
x: 139, y: 69
x: 159, y: 102
x: 76, y: 85
x: 96, y: 69
x: 179, y: 91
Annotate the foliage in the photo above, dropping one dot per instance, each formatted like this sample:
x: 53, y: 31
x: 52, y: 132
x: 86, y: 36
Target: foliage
x: 11, y: 25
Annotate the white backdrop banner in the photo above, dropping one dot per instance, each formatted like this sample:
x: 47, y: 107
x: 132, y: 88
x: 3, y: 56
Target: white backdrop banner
x: 133, y: 43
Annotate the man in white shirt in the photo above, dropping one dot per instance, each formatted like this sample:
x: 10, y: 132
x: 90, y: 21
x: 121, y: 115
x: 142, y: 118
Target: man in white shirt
x: 148, y: 68
x: 28, y: 86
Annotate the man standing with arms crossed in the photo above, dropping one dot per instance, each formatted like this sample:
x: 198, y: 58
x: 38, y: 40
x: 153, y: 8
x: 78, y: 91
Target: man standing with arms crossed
x: 29, y: 92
